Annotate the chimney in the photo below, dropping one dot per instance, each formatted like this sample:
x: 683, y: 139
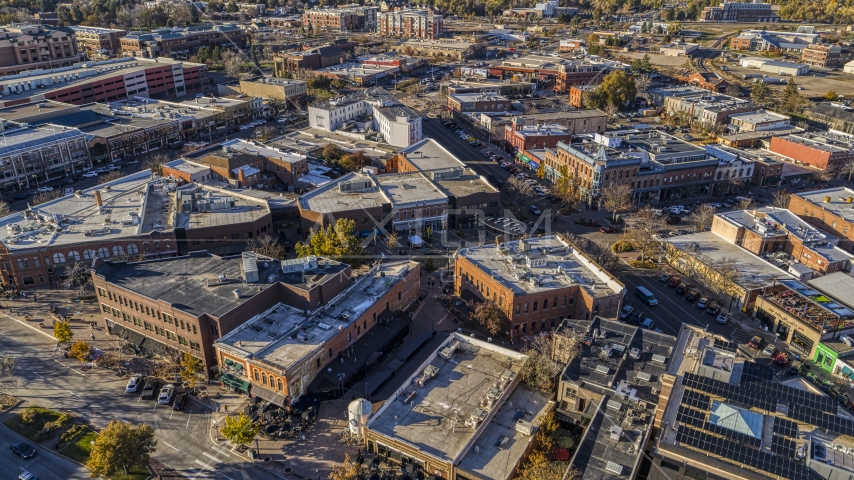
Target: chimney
x: 98, y: 199
x: 240, y: 176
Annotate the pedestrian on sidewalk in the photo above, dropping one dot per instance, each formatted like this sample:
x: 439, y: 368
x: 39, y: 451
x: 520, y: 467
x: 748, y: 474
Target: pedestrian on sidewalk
x: 93, y: 336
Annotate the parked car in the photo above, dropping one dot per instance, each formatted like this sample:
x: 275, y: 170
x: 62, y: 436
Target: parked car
x: 180, y: 401
x: 534, y: 209
x: 166, y: 394
x: 133, y: 383
x: 769, y: 350
x: 23, y: 450
x: 692, y: 296
x: 25, y: 475
x: 626, y: 311
x: 664, y: 277
x: 703, y: 302
x: 756, y: 342
x: 681, y: 288
x: 636, y: 318
x: 149, y: 388
x: 648, y: 324
x: 713, y: 309
x: 44, y: 189
x: 674, y: 281
x: 608, y: 229
x: 723, y: 318
x: 781, y: 359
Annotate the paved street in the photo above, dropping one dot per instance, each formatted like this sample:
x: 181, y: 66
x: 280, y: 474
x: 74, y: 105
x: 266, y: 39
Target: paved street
x: 46, y: 465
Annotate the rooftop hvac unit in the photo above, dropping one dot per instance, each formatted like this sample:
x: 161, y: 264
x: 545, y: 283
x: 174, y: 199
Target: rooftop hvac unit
x: 643, y: 376
x: 659, y: 359
x: 448, y: 351
x: 602, y: 369
x: 614, y: 468
x: 250, y: 267
x: 324, y: 326
x: 614, y: 405
x: 524, y: 427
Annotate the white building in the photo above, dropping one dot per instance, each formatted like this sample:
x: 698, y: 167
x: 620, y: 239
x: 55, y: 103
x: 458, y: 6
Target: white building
x: 849, y: 67
x: 376, y: 110
x: 679, y: 49
x: 776, y: 67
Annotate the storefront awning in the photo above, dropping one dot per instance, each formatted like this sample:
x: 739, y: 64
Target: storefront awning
x: 234, y: 382
x: 276, y: 398
x: 135, y: 338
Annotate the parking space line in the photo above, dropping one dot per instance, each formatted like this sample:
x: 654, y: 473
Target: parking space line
x: 188, y: 420
x: 211, y: 457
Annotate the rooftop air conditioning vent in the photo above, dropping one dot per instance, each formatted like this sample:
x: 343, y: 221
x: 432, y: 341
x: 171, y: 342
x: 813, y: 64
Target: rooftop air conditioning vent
x: 659, y: 359
x: 602, y: 369
x: 614, y: 405
x: 614, y: 468
x: 643, y: 376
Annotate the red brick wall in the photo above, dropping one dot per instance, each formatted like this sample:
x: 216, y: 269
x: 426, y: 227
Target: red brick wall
x: 803, y: 153
x: 829, y: 222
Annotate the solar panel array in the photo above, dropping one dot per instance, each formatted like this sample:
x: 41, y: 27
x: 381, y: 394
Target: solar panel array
x: 732, y: 434
x: 689, y: 416
x: 697, y: 400
x: 822, y: 420
x: 762, y: 395
x: 783, y: 447
x: 755, y: 372
x: 785, y: 427
x: 724, y: 345
x: 739, y: 454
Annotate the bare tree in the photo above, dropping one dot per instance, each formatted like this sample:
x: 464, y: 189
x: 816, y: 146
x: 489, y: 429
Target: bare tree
x: 8, y: 379
x: 518, y: 192
x: 232, y: 62
x: 847, y: 169
x: 643, y: 82
x: 78, y: 277
x: 702, y: 216
x: 745, y: 204
x: 266, y: 245
x: 109, y: 177
x: 44, y: 197
x: 540, y: 369
x: 566, y: 345
x: 154, y: 162
x: 724, y: 275
x: 5, y: 209
x: 648, y: 224
x: 780, y: 199
x: 616, y: 197
x: 489, y: 316
x: 611, y: 111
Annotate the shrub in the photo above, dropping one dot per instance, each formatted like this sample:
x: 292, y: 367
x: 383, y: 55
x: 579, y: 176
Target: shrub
x: 30, y: 416
x: 622, y: 246
x: 565, y: 211
x: 71, y: 434
x: 642, y: 264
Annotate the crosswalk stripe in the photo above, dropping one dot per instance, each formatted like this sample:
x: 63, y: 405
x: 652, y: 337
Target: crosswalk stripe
x: 212, y: 457
x: 204, y: 465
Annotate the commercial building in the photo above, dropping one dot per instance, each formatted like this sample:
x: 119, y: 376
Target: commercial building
x: 358, y: 74
x: 828, y: 209
x: 758, y: 121
x: 710, y: 81
x: 489, y: 88
x: 769, y: 230
x: 242, y: 163
x: 491, y: 407
x: 451, y: 49
x: 106, y: 81
x: 772, y: 41
x: 570, y: 44
x: 347, y: 18
x: 313, y: 59
x: 278, y: 88
x: 707, y: 108
x: 97, y: 41
x: 537, y: 282
x: 775, y: 67
x: 613, y: 388
x: 832, y: 116
x: 422, y: 24
x: 524, y: 137
x: 32, y: 155
x: 825, y: 56
x: 728, y: 416
x: 376, y: 110
x: 816, y: 150
x: 679, y: 49
x: 182, y: 43
x: 728, y: 11
x: 297, y: 346
x: 575, y: 122
x: 26, y: 47
x: 478, y: 103
x: 576, y: 94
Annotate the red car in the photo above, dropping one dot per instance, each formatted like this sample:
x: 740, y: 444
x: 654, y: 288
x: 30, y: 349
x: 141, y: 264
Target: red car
x: 756, y: 342
x: 674, y: 281
x: 782, y: 358
x: 608, y: 229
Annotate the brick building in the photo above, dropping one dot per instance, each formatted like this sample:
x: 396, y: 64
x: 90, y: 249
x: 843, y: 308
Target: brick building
x: 421, y: 24
x: 182, y: 43
x: 316, y: 58
x: 574, y: 122
x: 825, y: 56
x: 96, y: 41
x: 576, y: 94
x: 530, y: 137
x: 478, y: 103
x: 706, y: 80
x: 537, y: 282
x: 811, y: 150
x: 197, y: 299
x: 26, y: 47
x: 829, y: 210
x: 243, y: 163
x: 349, y: 326
x: 346, y: 19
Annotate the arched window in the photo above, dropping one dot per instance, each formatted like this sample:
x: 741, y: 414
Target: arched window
x: 58, y: 258
x: 88, y: 254
x: 257, y: 377
x: 279, y: 384
x: 73, y: 255
x: 132, y: 249
x: 740, y: 172
x: 264, y: 378
x: 104, y: 252
x: 118, y: 250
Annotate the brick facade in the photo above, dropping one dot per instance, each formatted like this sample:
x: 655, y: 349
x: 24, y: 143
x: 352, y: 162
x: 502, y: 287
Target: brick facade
x: 813, y: 153
x: 816, y: 215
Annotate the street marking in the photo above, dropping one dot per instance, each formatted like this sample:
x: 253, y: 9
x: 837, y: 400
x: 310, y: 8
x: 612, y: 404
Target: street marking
x: 212, y: 457
x: 188, y: 420
x: 38, y: 375
x: 204, y: 465
x: 170, y: 414
x: 220, y: 451
x: 170, y: 446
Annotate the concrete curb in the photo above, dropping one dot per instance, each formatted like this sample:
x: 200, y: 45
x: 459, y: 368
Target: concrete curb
x: 39, y: 330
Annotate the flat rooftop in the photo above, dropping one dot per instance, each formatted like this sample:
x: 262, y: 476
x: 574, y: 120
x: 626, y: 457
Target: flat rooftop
x: 838, y: 285
x: 439, y: 44
x: 311, y: 139
x: 540, y: 264
x: 284, y: 335
x: 215, y: 207
x: 838, y: 203
x: 193, y: 283
x: 754, y: 271
x: 652, y: 141
x: 469, y: 183
x: 773, y: 221
x: 815, y: 143
x: 330, y: 197
x: 535, y: 118
x: 186, y: 166
x: 477, y: 97
x: 428, y: 154
x: 759, y: 117
x: 434, y: 419
x: 28, y: 110
x: 410, y: 189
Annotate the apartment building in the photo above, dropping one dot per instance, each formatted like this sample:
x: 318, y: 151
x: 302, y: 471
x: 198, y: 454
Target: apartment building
x: 824, y: 56
x: 31, y: 155
x: 537, y: 283
x: 451, y: 49
x: 182, y: 43
x: 349, y: 18
x: 524, y: 137
x: 26, y: 47
x: 420, y: 24
x: 707, y: 108
x: 478, y: 103
x: 750, y: 12
x: 347, y: 318
x: 829, y: 209
x: 99, y: 42
x: 824, y: 152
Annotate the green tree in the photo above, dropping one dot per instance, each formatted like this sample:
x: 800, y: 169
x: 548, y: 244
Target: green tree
x: 239, y: 429
x: 619, y: 88
x: 594, y: 98
x: 81, y: 351
x: 191, y: 368
x: 231, y: 7
x: 354, y: 162
x: 541, y: 171
x: 792, y: 98
x: 760, y: 92
x: 642, y: 65
x: 333, y: 241
x: 119, y: 447
x: 331, y: 152
x: 62, y: 331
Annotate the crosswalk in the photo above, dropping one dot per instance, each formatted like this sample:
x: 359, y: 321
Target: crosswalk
x: 207, y: 468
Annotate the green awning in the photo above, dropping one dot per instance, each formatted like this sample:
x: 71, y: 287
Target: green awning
x: 229, y: 362
x: 238, y: 366
x: 234, y: 382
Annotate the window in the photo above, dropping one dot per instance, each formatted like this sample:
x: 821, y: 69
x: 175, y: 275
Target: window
x: 102, y: 292
x: 264, y: 378
x: 58, y: 258
x: 132, y: 249
x: 535, y: 305
x: 36, y: 261
x: 563, y: 302
x: 348, y: 337
x: 182, y: 340
x: 103, y: 252
x: 257, y: 376
x: 148, y: 326
x: 29, y: 281
x: 195, y: 346
x: 170, y: 335
x: 214, y: 330
x: 118, y: 251
x: 195, y: 332
x: 105, y: 308
x: 88, y: 254
x: 159, y: 331
x: 279, y: 384
x: 571, y: 299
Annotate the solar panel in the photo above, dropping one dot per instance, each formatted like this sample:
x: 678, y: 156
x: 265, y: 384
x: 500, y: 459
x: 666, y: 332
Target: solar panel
x: 724, y: 345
